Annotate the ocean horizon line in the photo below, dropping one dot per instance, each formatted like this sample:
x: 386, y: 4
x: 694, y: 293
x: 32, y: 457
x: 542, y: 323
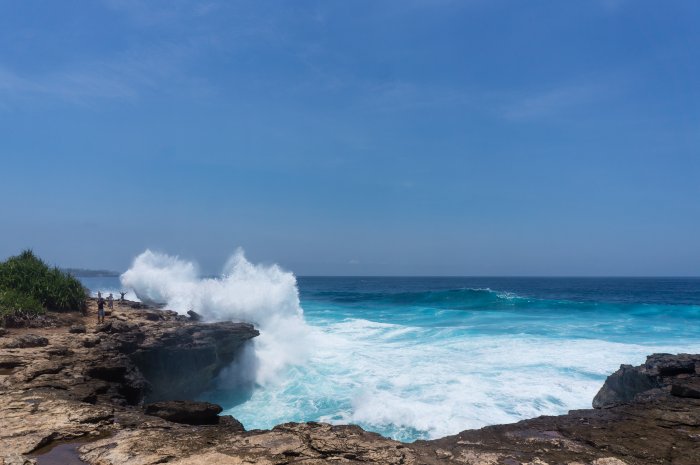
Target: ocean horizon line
x: 88, y: 273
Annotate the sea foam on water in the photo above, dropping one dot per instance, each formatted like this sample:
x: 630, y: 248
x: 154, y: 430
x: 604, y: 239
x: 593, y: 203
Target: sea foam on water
x: 409, y: 363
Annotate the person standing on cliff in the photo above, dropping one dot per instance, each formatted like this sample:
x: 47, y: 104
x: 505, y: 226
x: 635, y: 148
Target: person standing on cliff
x: 100, y: 309
x: 110, y: 301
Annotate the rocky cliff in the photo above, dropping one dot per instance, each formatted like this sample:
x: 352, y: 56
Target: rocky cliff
x: 80, y: 387
x: 81, y: 378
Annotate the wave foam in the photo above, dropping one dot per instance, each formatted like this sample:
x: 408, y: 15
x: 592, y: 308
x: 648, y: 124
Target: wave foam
x: 411, y: 382
x: 266, y: 296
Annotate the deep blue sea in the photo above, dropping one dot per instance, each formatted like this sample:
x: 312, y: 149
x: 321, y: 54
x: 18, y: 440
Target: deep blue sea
x: 419, y: 358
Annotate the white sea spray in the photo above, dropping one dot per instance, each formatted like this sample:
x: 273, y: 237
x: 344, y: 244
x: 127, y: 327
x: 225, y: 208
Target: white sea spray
x: 266, y: 296
x: 409, y: 364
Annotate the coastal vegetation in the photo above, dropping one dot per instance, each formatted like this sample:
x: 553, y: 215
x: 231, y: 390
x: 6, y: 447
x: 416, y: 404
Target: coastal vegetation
x: 29, y: 287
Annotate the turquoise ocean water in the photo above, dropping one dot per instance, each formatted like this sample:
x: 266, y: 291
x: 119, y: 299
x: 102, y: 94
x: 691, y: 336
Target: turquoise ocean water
x: 416, y: 358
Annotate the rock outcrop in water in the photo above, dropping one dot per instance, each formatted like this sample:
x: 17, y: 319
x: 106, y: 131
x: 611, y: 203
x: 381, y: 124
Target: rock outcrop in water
x: 90, y: 386
x: 661, y: 375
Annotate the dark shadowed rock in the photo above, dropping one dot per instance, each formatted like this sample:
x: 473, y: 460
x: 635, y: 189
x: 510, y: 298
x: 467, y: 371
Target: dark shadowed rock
x: 77, y: 329
x: 231, y: 423
x: 671, y: 365
x: 112, y: 372
x: 185, y: 411
x: 194, y: 316
x: 152, y: 316
x: 59, y: 351
x: 26, y: 341
x: 11, y: 361
x: 88, y: 391
x: 686, y: 388
x: 622, y: 386
x: 91, y: 341
x: 661, y: 375
x: 116, y: 326
x: 180, y: 359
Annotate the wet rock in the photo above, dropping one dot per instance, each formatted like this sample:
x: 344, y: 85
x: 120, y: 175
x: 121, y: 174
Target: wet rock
x: 186, y: 411
x: 26, y: 341
x: 194, y: 316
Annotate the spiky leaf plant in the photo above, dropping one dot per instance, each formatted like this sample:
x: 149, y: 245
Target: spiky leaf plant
x: 27, y: 275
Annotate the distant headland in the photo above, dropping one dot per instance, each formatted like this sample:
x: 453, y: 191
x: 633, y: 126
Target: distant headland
x: 88, y: 273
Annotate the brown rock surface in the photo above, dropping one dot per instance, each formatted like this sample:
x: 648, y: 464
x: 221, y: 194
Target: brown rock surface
x: 90, y: 386
x: 56, y: 385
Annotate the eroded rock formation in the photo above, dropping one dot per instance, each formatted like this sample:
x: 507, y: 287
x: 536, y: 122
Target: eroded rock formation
x: 91, y: 386
x: 661, y: 375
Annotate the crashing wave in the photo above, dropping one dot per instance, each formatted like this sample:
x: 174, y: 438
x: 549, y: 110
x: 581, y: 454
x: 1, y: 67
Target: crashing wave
x: 266, y: 296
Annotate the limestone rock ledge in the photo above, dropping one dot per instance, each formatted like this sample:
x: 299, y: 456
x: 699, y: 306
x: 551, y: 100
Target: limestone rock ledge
x: 58, y: 384
x: 92, y: 384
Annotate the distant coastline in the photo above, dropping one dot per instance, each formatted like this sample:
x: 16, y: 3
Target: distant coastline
x: 85, y: 273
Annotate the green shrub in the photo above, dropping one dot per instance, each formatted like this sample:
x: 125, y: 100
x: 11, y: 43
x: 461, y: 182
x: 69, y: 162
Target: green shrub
x: 18, y: 306
x: 27, y: 275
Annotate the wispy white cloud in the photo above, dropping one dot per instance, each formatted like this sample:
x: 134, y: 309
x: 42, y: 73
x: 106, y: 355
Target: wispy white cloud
x: 71, y: 86
x: 126, y: 76
x: 172, y: 35
x: 558, y: 100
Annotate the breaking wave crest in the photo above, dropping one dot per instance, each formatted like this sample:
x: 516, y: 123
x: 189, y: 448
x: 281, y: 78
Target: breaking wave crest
x: 266, y: 296
x: 413, y: 359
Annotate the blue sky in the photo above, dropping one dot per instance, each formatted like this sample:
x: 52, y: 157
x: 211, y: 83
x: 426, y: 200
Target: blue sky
x: 419, y: 137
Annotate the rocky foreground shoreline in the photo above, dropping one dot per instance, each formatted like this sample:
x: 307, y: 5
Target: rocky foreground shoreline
x: 82, y: 387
